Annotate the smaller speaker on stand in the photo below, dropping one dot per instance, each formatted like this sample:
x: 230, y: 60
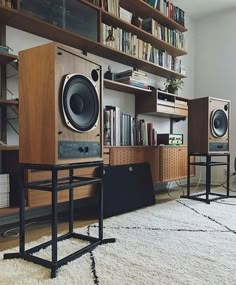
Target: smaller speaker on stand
x: 208, y: 137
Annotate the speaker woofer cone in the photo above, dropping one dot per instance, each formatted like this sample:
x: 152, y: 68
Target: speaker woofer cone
x: 80, y: 103
x: 219, y: 123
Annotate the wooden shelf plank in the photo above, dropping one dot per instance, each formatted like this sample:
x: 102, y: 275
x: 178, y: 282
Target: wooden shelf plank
x: 121, y: 87
x: 8, y: 102
x: 144, y: 11
x: 7, y: 57
x: 7, y: 211
x: 32, y: 25
x: 10, y: 147
x: 164, y: 115
x: 110, y: 19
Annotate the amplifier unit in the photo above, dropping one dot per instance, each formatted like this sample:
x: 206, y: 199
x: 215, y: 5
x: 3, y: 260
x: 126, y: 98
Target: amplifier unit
x: 170, y: 139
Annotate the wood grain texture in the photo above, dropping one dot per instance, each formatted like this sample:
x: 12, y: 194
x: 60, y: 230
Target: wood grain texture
x: 199, y: 133
x: 121, y: 87
x: 41, y: 74
x: 173, y: 163
x: 137, y: 154
x: 152, y: 105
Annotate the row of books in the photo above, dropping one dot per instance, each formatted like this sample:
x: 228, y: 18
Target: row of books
x: 112, y: 6
x: 122, y: 129
x: 172, y: 37
x: 169, y: 10
x: 132, y: 45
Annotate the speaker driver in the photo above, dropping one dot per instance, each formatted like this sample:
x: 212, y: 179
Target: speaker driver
x: 219, y: 123
x: 80, y: 103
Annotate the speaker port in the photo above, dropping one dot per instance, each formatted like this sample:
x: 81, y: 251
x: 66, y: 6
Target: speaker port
x: 94, y: 75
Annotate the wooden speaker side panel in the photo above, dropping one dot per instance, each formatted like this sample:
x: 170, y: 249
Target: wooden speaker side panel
x: 198, y: 126
x: 37, y: 105
x: 69, y: 63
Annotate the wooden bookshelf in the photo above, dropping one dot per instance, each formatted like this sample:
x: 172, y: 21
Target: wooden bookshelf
x: 8, y: 211
x: 144, y: 11
x: 121, y: 87
x: 7, y: 57
x: 169, y: 105
x: 38, y: 27
x: 8, y: 102
x: 110, y: 19
x: 10, y: 147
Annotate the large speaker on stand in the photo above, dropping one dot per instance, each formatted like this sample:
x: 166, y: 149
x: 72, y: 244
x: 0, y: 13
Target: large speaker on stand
x: 60, y: 94
x: 208, y: 125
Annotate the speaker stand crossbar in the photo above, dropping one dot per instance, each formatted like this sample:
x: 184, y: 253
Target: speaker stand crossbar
x: 207, y: 196
x: 54, y: 186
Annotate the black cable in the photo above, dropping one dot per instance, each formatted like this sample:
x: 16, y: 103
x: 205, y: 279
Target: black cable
x: 232, y: 190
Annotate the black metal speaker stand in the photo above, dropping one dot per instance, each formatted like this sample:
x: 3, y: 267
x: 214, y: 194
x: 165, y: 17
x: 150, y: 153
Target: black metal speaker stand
x: 205, y: 196
x: 54, y: 185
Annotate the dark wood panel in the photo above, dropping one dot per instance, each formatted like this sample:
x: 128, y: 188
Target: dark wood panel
x: 6, y: 57
x: 144, y: 11
x: 110, y: 19
x: 29, y: 24
x: 8, y: 102
x: 11, y: 147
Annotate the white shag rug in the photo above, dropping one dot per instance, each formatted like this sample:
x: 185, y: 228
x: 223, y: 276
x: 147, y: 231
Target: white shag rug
x: 179, y: 242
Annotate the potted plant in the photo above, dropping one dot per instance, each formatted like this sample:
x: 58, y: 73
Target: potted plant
x: 172, y: 85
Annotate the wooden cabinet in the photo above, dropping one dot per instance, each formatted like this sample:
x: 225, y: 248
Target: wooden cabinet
x: 167, y: 162
x: 137, y: 154
x: 173, y: 163
x: 162, y: 104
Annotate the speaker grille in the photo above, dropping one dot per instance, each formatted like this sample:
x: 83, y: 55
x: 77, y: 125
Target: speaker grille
x: 80, y: 103
x: 219, y: 123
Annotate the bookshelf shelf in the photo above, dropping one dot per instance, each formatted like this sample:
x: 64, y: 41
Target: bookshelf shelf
x: 38, y: 27
x: 121, y: 87
x: 162, y: 104
x: 8, y: 102
x: 144, y: 10
x: 7, y: 57
x: 12, y: 147
x: 110, y: 19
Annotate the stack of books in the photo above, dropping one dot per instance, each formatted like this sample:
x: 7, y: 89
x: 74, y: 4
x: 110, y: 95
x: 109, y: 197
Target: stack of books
x: 132, y: 77
x: 4, y: 190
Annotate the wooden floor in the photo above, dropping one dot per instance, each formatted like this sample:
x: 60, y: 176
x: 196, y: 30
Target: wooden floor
x: 36, y: 230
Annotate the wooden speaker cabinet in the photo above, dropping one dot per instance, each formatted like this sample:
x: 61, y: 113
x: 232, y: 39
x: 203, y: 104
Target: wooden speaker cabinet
x: 60, y: 106
x: 208, y: 125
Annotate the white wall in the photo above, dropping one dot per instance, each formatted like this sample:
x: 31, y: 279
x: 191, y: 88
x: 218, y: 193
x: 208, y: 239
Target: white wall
x: 215, y: 67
